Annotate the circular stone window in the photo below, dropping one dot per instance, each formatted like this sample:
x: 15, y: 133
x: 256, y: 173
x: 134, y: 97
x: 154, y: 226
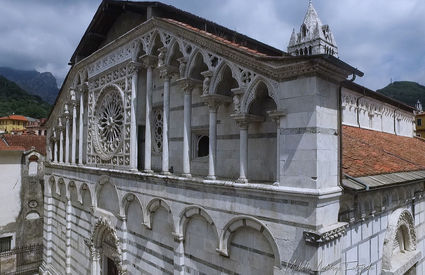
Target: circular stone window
x: 109, y: 122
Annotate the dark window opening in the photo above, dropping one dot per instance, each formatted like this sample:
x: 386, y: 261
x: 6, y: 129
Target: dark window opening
x: 203, y: 146
x: 5, y: 244
x: 419, y: 122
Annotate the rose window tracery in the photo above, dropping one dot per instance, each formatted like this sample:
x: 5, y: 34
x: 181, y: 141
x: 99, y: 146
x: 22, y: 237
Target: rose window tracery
x: 109, y: 123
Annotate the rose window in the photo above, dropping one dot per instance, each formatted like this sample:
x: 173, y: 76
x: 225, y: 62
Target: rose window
x: 110, y: 121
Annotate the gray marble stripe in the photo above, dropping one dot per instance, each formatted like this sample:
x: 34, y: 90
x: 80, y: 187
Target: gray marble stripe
x: 150, y: 263
x: 151, y: 252
x: 195, y: 105
x: 271, y: 255
x: 308, y: 130
x: 236, y: 136
x: 151, y: 240
x: 210, y: 265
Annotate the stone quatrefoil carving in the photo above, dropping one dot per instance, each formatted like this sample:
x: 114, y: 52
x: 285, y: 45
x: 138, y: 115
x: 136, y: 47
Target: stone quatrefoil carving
x: 109, y: 123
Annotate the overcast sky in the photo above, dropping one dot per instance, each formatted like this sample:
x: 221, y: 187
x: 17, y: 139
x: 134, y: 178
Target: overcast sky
x: 383, y: 38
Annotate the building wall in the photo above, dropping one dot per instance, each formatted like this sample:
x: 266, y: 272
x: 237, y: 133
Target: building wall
x: 10, y: 125
x: 368, y: 113
x: 10, y: 167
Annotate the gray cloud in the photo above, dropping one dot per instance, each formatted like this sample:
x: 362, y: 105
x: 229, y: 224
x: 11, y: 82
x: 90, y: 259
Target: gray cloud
x: 383, y: 38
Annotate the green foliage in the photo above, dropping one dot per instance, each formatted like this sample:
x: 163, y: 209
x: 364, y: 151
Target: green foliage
x: 13, y: 99
x: 405, y: 91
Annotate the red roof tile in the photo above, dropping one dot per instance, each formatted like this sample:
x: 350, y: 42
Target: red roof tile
x: 5, y: 147
x: 215, y: 37
x: 14, y: 117
x: 25, y: 142
x: 367, y: 152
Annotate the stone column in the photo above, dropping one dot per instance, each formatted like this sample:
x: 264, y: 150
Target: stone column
x: 48, y: 204
x: 60, y: 140
x: 67, y: 134
x: 243, y: 151
x: 276, y: 115
x: 133, y: 70
x: 243, y: 121
x: 95, y: 255
x: 148, y: 62
x: 213, y: 101
x: 81, y: 129
x: 74, y: 127
x: 165, y: 121
x: 187, y: 124
x: 212, y: 108
x: 55, y: 147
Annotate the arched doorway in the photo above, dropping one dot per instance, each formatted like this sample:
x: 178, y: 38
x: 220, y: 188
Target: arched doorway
x: 105, y: 250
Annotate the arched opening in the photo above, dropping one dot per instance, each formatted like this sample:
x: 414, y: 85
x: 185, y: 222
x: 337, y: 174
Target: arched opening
x: 197, y: 67
x: 105, y: 243
x: 202, y: 148
x: 175, y: 55
x: 107, y: 198
x: 226, y: 83
x: 262, y: 102
x: 157, y: 43
x: 33, y: 165
x: 304, y: 30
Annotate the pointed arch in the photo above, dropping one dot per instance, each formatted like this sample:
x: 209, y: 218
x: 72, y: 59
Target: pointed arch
x: 191, y: 211
x: 174, y: 54
x: 62, y: 188
x: 225, y: 79
x: 196, y: 65
x: 259, y: 84
x: 51, y: 186
x: 153, y: 206
x: 73, y: 191
x: 139, y: 50
x: 245, y: 221
x: 155, y: 43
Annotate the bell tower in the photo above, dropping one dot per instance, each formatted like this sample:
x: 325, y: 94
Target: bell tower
x: 313, y: 37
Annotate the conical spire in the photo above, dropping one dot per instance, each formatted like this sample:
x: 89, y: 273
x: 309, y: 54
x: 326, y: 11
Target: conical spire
x: 313, y: 38
x: 293, y: 39
x: 311, y: 18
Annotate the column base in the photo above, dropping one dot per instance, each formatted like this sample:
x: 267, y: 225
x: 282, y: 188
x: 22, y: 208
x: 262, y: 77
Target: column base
x: 148, y: 171
x: 242, y: 180
x: 186, y: 175
x: 276, y: 183
x: 211, y: 177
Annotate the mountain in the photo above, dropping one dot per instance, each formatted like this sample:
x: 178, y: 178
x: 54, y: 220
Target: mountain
x: 36, y: 83
x: 405, y: 91
x: 13, y: 99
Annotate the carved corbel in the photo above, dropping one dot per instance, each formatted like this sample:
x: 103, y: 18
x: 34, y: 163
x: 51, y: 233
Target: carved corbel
x: 182, y: 66
x: 189, y: 84
x: 206, y: 83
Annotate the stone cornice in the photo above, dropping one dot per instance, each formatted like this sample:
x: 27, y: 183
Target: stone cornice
x: 325, y: 235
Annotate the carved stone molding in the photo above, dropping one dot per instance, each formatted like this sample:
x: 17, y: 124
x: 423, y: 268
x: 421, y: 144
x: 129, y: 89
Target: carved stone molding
x: 318, y: 238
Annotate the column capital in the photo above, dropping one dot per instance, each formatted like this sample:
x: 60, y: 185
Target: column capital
x: 277, y: 114
x: 167, y: 72
x: 243, y: 119
x: 189, y: 84
x: 214, y: 100
x: 148, y: 60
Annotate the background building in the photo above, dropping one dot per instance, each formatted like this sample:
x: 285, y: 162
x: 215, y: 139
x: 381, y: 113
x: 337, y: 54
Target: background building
x: 13, y: 123
x: 21, y: 196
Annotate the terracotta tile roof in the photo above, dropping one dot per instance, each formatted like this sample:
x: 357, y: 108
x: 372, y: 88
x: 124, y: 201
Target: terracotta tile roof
x: 25, y: 142
x: 14, y: 117
x: 6, y: 147
x: 214, y: 37
x: 367, y: 152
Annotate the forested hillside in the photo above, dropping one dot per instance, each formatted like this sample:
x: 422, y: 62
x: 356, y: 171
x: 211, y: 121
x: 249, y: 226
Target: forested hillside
x: 14, y: 99
x: 405, y: 91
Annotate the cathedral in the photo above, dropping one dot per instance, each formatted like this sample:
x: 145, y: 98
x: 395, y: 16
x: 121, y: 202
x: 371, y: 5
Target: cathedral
x: 178, y: 146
